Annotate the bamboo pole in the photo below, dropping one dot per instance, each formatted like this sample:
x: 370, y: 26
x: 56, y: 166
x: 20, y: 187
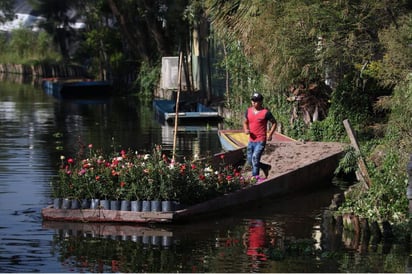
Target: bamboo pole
x: 179, y: 87
x: 361, y: 162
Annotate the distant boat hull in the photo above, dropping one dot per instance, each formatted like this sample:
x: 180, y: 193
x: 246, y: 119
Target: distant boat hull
x: 188, y: 112
x: 77, y: 88
x: 235, y: 139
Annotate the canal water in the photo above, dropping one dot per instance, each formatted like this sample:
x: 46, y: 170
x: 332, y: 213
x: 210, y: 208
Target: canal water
x: 290, y: 234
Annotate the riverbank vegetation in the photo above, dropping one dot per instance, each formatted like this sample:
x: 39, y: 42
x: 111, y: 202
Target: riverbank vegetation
x: 316, y: 63
x: 362, y: 51
x: 26, y: 47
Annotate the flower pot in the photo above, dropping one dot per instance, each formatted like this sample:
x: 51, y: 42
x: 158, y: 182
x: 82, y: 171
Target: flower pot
x: 156, y: 240
x: 57, y: 203
x: 85, y: 203
x: 115, y: 205
x: 136, y: 206
x: 167, y: 206
x: 66, y: 203
x: 136, y: 239
x: 125, y: 237
x: 166, y: 241
x: 94, y: 203
x: 104, y: 204
x: 75, y: 204
x: 146, y: 206
x: 146, y: 240
x: 156, y: 205
x: 125, y: 205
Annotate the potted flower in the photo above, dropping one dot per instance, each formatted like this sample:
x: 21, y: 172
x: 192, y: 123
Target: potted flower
x: 135, y: 196
x: 63, y: 184
x: 151, y: 177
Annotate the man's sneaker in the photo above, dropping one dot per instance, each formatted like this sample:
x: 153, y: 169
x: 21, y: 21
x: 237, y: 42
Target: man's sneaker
x: 259, y: 180
x: 266, y: 170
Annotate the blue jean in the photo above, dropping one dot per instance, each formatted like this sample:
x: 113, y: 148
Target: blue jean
x: 254, y: 153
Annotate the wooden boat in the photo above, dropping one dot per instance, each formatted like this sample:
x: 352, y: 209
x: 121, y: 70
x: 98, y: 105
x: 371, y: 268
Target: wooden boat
x: 296, y: 167
x: 165, y: 110
x: 75, y: 88
x: 235, y: 139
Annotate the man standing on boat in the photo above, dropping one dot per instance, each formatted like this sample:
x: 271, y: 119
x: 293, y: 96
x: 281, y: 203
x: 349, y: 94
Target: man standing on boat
x: 255, y: 125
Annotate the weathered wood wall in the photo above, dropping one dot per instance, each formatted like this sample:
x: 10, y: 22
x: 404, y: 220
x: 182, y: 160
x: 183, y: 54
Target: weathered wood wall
x: 44, y: 70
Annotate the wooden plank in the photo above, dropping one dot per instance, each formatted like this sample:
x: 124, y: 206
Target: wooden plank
x: 361, y: 162
x: 103, y: 215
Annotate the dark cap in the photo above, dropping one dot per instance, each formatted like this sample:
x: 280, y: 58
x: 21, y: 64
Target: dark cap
x: 256, y: 97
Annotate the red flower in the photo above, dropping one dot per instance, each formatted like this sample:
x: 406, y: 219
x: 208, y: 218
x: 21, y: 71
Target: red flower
x: 222, y: 156
x: 114, y: 172
x: 220, y: 177
x: 122, y: 184
x: 70, y: 160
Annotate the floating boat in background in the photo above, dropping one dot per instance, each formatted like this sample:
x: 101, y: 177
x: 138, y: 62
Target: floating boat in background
x: 165, y: 110
x: 232, y: 139
x: 76, y: 88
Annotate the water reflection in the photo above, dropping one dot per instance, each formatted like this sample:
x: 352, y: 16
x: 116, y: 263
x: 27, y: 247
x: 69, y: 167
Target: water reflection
x: 293, y: 234
x: 282, y: 240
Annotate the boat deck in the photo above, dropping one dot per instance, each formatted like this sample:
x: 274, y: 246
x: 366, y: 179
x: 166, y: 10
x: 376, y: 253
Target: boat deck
x: 288, y: 156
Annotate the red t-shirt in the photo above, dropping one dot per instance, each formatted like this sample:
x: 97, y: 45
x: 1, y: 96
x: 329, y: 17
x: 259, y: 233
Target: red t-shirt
x: 258, y: 123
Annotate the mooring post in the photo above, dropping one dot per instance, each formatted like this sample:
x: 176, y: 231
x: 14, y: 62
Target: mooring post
x: 361, y: 163
x: 409, y: 190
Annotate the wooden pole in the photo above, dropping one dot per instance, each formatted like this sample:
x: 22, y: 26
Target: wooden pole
x: 361, y: 162
x: 179, y: 87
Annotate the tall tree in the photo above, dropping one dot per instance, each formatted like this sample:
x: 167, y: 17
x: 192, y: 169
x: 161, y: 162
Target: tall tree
x: 301, y: 39
x: 151, y: 28
x: 295, y: 43
x: 59, y: 15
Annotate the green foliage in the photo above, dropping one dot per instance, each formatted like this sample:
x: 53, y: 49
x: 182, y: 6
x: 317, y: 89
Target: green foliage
x: 243, y: 80
x: 25, y: 47
x: 147, y: 80
x: 397, y: 61
x: 349, y: 161
x: 386, y: 199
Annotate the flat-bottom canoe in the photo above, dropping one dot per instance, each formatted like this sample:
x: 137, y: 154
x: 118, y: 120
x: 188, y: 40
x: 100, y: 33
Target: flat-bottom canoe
x: 296, y: 167
x: 232, y: 139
